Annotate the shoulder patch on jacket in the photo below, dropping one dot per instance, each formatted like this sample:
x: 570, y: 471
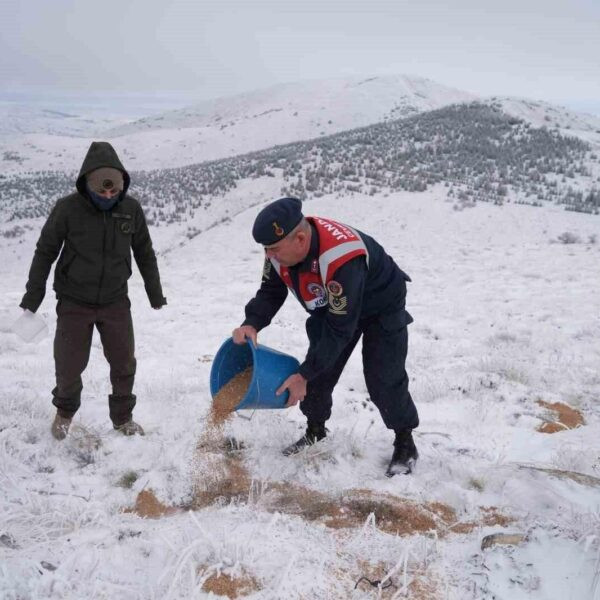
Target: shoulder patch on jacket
x: 337, y: 304
x: 266, y: 275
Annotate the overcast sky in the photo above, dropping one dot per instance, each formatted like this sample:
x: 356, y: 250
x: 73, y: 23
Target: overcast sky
x: 542, y: 49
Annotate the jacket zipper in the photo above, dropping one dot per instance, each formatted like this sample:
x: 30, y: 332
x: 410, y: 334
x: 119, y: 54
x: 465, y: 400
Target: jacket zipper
x: 103, y: 253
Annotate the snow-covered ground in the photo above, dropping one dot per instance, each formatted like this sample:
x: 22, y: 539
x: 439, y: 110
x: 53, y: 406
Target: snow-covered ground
x: 505, y: 317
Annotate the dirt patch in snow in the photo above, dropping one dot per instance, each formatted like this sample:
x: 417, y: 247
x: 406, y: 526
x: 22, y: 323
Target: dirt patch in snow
x: 149, y: 506
x: 231, y: 586
x: 568, y: 418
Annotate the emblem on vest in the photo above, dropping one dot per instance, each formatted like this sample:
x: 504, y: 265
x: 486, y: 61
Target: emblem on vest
x: 334, y: 288
x: 314, y: 266
x: 125, y: 227
x: 337, y: 302
x: 318, y: 291
x: 278, y: 230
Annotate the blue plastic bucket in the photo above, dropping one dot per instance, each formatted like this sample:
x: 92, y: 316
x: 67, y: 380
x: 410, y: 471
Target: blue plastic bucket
x: 270, y: 368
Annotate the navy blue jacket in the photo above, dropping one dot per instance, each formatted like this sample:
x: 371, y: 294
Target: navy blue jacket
x: 367, y: 292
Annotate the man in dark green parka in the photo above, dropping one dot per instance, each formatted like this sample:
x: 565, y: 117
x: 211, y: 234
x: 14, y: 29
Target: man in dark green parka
x: 94, y: 231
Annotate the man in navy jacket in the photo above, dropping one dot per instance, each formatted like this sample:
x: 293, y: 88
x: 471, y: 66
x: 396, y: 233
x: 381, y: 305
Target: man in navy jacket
x: 351, y: 288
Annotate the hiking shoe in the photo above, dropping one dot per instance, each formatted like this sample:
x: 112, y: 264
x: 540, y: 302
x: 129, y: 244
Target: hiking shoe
x: 130, y: 428
x: 60, y: 427
x: 405, y: 454
x: 314, y: 433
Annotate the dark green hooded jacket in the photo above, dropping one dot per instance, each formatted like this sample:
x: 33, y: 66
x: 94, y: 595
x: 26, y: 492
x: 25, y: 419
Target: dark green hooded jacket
x: 95, y: 262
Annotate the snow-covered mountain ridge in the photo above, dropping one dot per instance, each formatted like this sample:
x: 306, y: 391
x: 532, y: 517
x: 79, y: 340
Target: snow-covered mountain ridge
x: 308, y: 109
x: 249, y: 122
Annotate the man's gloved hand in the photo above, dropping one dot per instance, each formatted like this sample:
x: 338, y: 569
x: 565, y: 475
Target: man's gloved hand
x: 296, y: 384
x: 241, y: 334
x: 158, y: 303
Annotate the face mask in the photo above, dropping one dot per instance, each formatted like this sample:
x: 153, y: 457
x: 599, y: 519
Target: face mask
x: 101, y: 202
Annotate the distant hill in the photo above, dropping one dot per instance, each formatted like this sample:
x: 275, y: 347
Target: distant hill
x: 23, y: 119
x: 308, y: 108
x: 478, y: 152
x: 223, y: 127
x: 35, y: 139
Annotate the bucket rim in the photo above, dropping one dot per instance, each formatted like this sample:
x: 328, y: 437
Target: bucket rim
x: 252, y: 383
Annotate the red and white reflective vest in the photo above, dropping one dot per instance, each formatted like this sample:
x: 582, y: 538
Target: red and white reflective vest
x: 338, y: 244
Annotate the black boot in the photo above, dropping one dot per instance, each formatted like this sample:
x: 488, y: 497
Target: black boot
x: 405, y: 454
x: 314, y: 433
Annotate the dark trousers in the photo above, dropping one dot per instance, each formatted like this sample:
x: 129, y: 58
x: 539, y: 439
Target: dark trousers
x: 72, y: 343
x: 385, y: 344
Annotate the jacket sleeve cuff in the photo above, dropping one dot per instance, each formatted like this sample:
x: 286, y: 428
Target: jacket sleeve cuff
x: 306, y: 371
x: 253, y: 323
x: 158, y: 302
x: 30, y: 304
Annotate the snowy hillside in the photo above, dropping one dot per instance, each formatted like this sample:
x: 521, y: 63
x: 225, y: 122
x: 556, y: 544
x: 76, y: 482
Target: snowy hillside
x: 503, y: 351
x: 544, y: 114
x: 478, y: 152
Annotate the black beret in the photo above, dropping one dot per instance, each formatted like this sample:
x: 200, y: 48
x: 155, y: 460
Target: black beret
x: 276, y: 220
